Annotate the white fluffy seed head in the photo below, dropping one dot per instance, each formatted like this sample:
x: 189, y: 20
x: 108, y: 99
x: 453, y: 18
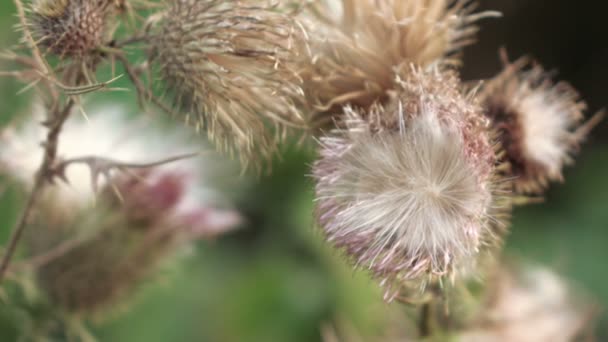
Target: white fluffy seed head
x: 403, y: 189
x: 539, y: 123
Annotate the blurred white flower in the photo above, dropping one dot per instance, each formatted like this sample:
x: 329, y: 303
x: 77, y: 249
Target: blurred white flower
x: 534, y: 305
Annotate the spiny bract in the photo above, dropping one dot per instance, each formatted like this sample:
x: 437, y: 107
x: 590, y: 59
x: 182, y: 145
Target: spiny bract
x: 358, y: 46
x: 70, y: 28
x: 228, y: 65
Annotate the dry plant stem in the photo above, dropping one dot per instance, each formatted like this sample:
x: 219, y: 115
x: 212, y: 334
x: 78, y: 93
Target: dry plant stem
x: 424, y: 323
x: 143, y: 94
x: 56, y: 121
x: 132, y: 40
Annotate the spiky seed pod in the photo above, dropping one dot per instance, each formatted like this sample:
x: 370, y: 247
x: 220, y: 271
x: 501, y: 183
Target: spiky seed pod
x: 530, y: 304
x: 540, y: 123
x: 70, y: 28
x: 407, y: 190
x: 139, y: 218
x: 228, y: 65
x: 356, y: 52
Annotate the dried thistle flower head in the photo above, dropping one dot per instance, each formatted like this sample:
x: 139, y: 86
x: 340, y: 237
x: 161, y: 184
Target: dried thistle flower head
x: 357, y: 51
x: 530, y: 304
x: 540, y: 123
x: 70, y: 28
x: 139, y: 218
x: 407, y: 190
x: 229, y: 66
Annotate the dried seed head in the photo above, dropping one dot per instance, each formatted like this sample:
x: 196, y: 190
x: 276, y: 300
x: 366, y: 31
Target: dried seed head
x: 539, y: 123
x: 532, y: 304
x: 70, y: 28
x: 357, y: 52
x: 139, y: 218
x: 407, y: 190
x: 229, y: 66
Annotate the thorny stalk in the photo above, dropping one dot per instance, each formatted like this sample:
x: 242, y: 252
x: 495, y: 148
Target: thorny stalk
x: 56, y: 121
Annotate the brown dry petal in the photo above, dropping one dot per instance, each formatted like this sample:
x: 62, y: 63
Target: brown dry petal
x: 228, y: 65
x: 540, y: 123
x: 356, y: 53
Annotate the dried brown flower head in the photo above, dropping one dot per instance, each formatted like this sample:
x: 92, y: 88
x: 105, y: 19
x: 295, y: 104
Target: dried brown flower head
x: 540, y: 123
x: 228, y: 65
x: 356, y: 52
x: 407, y: 190
x: 70, y: 28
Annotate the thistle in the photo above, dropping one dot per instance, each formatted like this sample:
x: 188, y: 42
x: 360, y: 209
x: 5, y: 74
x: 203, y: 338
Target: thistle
x: 540, y: 123
x: 356, y: 52
x: 70, y: 28
x: 529, y: 304
x: 407, y: 190
x: 139, y: 218
x: 229, y: 67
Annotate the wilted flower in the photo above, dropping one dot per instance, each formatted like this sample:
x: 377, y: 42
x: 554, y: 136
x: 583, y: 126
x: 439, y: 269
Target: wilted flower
x: 358, y: 46
x: 531, y: 305
x: 229, y: 66
x: 407, y: 190
x: 539, y: 123
x: 70, y: 28
x: 138, y: 218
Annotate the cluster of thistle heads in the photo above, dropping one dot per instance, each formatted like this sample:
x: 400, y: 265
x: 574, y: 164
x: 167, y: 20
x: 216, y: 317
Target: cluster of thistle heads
x: 416, y: 174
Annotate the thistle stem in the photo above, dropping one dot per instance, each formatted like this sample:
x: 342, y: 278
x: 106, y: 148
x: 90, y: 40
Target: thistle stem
x: 424, y: 323
x: 57, y: 119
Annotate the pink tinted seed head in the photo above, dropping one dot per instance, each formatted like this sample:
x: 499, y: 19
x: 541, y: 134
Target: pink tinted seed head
x: 407, y: 190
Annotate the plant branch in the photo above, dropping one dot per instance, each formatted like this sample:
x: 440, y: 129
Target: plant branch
x: 100, y: 166
x: 143, y: 94
x: 424, y: 320
x: 55, y: 123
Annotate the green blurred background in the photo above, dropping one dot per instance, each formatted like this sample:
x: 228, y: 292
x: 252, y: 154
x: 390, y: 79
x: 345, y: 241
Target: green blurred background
x: 276, y: 281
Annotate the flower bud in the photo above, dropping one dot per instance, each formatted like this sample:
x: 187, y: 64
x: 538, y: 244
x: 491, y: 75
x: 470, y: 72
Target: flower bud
x: 407, y: 190
x: 127, y: 240
x: 230, y: 68
x: 70, y: 28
